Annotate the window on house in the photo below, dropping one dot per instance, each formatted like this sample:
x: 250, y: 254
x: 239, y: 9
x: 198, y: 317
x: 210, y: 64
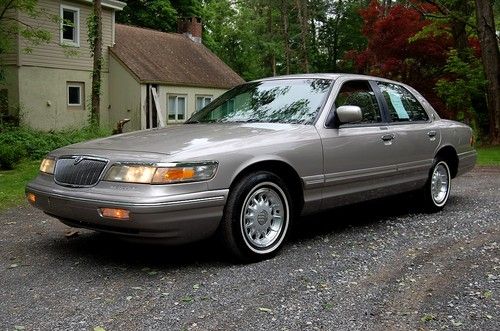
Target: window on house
x: 75, y: 94
x: 202, y: 101
x: 70, y: 26
x: 176, y: 108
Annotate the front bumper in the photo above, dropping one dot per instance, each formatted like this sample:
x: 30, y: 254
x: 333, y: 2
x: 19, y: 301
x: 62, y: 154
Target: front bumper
x: 175, y: 219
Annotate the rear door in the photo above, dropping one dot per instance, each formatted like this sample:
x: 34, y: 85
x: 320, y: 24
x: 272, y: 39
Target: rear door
x: 418, y: 136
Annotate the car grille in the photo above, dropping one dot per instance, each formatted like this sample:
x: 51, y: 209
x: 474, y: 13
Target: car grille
x: 78, y: 171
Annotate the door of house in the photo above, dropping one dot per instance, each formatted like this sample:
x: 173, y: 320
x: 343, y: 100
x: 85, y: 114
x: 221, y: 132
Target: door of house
x: 151, y: 111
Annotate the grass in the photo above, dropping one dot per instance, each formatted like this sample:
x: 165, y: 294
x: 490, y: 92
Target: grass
x: 12, y: 183
x: 488, y: 155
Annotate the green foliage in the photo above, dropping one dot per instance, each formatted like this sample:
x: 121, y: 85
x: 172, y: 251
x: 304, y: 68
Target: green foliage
x: 464, y: 82
x: 154, y: 14
x: 20, y: 142
x: 11, y: 27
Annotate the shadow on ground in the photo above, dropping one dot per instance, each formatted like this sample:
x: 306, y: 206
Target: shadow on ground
x: 107, y: 249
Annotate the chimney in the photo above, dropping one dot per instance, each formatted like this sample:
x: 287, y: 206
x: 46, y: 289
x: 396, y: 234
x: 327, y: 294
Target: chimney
x: 191, y: 27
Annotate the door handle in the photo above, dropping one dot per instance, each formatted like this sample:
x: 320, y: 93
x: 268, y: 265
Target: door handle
x: 432, y: 133
x: 387, y: 137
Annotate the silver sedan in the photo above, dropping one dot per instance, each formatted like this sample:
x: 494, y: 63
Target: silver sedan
x: 248, y: 164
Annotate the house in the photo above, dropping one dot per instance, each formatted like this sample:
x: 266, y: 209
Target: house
x: 176, y: 69
x: 50, y: 86
x: 146, y: 74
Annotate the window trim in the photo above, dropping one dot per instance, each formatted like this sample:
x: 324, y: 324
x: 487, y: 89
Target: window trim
x: 80, y: 88
x: 177, y: 120
x: 381, y: 107
x: 204, y: 96
x: 68, y: 42
x: 389, y: 121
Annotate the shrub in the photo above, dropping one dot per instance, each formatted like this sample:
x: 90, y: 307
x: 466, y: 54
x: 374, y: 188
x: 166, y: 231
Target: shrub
x: 10, y: 155
x: 21, y: 142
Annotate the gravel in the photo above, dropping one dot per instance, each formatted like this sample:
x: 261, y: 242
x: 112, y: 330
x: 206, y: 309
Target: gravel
x: 378, y: 265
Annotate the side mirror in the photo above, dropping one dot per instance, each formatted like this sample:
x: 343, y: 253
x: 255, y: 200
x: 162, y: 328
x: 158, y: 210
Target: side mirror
x: 349, y: 114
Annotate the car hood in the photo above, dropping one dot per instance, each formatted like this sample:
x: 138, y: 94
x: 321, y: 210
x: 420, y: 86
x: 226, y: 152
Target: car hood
x: 187, y: 138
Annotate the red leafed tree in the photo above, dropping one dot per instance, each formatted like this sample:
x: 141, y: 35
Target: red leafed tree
x: 392, y: 53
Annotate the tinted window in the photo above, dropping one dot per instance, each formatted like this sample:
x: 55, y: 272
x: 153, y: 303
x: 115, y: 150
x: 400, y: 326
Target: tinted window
x: 359, y: 93
x: 403, y: 106
x: 278, y: 101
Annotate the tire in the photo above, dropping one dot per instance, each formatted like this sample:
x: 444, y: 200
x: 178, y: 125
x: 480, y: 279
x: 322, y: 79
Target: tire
x: 257, y: 217
x: 438, y: 186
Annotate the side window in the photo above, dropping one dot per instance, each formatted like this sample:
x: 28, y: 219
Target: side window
x: 403, y: 106
x: 70, y: 26
x: 359, y: 93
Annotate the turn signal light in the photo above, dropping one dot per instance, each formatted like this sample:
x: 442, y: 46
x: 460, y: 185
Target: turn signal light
x: 119, y: 214
x: 31, y: 198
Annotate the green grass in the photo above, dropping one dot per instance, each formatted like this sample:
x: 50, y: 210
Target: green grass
x: 12, y: 183
x: 488, y: 156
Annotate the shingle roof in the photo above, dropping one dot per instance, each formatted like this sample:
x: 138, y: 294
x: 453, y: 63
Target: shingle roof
x: 170, y: 58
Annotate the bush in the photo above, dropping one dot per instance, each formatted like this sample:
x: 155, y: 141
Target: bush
x: 10, y: 155
x: 21, y: 142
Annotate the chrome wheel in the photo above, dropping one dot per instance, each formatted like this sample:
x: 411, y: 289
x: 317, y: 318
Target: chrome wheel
x: 440, y: 184
x: 264, y: 217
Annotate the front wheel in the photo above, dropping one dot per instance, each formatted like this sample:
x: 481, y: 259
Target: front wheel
x: 438, y: 186
x: 257, y: 217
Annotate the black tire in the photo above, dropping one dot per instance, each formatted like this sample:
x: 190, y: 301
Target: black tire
x: 241, y: 231
x: 434, y: 199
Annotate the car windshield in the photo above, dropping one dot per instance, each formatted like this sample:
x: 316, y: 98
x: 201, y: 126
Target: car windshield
x: 276, y: 101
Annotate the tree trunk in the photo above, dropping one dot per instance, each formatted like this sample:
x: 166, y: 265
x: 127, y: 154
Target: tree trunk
x: 461, y: 11
x: 491, y: 57
x: 286, y: 34
x: 97, y: 65
x: 338, y: 16
x: 302, y: 15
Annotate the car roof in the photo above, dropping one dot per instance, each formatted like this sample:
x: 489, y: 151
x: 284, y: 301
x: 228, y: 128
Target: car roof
x: 333, y: 76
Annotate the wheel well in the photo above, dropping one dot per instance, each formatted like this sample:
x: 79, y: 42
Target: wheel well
x: 449, y: 154
x: 285, y: 172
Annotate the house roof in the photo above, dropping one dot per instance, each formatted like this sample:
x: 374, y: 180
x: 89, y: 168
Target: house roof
x: 171, y: 59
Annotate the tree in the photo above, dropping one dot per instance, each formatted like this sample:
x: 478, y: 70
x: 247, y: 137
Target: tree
x: 95, y: 41
x: 491, y: 58
x: 154, y: 14
x: 11, y: 26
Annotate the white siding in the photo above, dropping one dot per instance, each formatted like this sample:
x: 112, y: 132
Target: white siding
x: 52, y: 55
x: 124, y: 96
x: 43, y: 98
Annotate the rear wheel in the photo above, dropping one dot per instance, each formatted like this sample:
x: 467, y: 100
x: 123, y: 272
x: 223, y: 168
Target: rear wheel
x: 257, y: 217
x: 438, y: 186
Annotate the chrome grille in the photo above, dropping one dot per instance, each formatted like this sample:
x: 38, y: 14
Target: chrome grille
x: 78, y: 170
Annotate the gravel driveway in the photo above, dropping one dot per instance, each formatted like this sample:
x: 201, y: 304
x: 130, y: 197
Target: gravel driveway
x: 379, y: 265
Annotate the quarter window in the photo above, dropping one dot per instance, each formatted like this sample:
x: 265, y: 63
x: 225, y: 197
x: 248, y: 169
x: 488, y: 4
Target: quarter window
x: 359, y: 93
x: 70, y: 26
x: 75, y: 94
x: 202, y: 101
x: 403, y: 106
x: 176, y: 108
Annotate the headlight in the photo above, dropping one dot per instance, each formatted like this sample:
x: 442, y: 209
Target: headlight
x: 162, y: 173
x: 48, y: 165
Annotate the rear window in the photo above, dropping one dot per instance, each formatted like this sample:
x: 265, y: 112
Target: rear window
x: 403, y: 106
